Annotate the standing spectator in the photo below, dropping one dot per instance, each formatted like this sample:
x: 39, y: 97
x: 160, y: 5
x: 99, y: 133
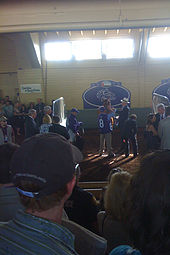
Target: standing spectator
x: 44, y: 128
x: 8, y: 111
x: 9, y: 198
x: 123, y: 116
x: 164, y: 130
x: 105, y: 128
x: 57, y: 128
x: 1, y: 107
x: 39, y: 106
x: 31, y: 106
x: 73, y: 124
x: 130, y: 131
x: 30, y: 124
x: 17, y: 118
x: 160, y: 115
x: 6, y: 131
x: 43, y: 172
x: 151, y: 133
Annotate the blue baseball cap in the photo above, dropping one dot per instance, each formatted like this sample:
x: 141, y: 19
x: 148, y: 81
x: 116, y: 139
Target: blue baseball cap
x: 124, y: 250
x: 74, y: 110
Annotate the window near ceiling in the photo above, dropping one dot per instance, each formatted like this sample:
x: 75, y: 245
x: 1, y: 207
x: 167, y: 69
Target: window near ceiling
x: 159, y: 46
x: 118, y: 48
x: 87, y: 49
x: 58, y: 51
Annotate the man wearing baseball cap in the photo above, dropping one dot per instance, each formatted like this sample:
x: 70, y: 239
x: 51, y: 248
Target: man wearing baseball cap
x: 73, y: 124
x: 43, y: 171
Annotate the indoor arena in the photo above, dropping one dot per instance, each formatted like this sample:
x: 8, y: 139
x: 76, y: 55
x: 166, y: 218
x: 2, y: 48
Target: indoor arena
x: 85, y: 127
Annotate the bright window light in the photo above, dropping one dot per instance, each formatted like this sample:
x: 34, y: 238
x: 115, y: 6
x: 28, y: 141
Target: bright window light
x: 58, y: 51
x: 87, y: 49
x: 159, y: 47
x: 118, y: 48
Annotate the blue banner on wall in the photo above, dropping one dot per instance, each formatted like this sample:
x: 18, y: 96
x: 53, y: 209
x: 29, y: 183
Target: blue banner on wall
x: 93, y: 97
x: 163, y: 89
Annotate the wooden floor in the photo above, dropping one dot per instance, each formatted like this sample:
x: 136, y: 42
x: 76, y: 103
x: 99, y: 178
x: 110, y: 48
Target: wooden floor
x: 97, y: 168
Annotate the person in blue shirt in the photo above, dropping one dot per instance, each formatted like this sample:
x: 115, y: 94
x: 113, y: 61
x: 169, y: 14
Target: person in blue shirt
x: 43, y: 172
x: 73, y: 124
x: 105, y: 129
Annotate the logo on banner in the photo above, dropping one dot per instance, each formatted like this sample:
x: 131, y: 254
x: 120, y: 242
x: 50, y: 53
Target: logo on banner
x: 163, y: 89
x: 93, y: 97
x: 30, y: 88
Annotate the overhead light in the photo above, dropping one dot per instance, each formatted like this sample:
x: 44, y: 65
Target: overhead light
x: 117, y: 31
x: 165, y: 29
x: 94, y: 32
x: 69, y: 33
x: 129, y: 31
x: 57, y: 33
x: 105, y: 32
x: 153, y: 29
x: 140, y: 29
x: 81, y: 32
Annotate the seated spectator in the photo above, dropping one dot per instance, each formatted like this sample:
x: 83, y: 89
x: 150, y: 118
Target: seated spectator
x: 102, y: 195
x: 151, y: 135
x: 164, y: 130
x: 149, y: 214
x: 44, y: 128
x: 44, y: 181
x: 112, y: 221
x: 57, y: 128
x: 30, y: 124
x: 9, y: 199
x: 6, y: 131
x: 82, y: 207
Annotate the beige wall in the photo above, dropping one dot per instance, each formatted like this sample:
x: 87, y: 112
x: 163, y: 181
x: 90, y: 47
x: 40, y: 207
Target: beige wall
x: 71, y: 80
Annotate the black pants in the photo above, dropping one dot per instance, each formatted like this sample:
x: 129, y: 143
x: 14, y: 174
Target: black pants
x: 133, y: 141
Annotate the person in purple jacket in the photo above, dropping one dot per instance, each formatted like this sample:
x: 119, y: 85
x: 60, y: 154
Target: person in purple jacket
x: 73, y: 124
x: 105, y: 129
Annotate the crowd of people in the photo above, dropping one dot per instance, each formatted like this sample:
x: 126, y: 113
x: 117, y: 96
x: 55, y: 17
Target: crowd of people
x: 44, y: 211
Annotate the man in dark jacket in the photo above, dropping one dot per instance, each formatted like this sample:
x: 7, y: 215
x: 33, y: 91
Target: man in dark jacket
x: 130, y: 131
x: 123, y: 116
x: 160, y: 115
x: 30, y: 124
x: 57, y: 128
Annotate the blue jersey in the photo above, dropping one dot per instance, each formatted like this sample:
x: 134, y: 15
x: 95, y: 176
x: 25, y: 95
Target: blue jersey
x: 104, y: 123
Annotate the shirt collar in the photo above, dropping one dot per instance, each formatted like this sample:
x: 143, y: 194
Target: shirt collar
x: 50, y: 228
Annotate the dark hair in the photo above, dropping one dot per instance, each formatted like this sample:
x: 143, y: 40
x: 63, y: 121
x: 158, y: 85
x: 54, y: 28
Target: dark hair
x: 42, y: 204
x: 6, y: 152
x: 149, y: 214
x: 167, y: 111
x: 56, y: 119
x: 149, y: 118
